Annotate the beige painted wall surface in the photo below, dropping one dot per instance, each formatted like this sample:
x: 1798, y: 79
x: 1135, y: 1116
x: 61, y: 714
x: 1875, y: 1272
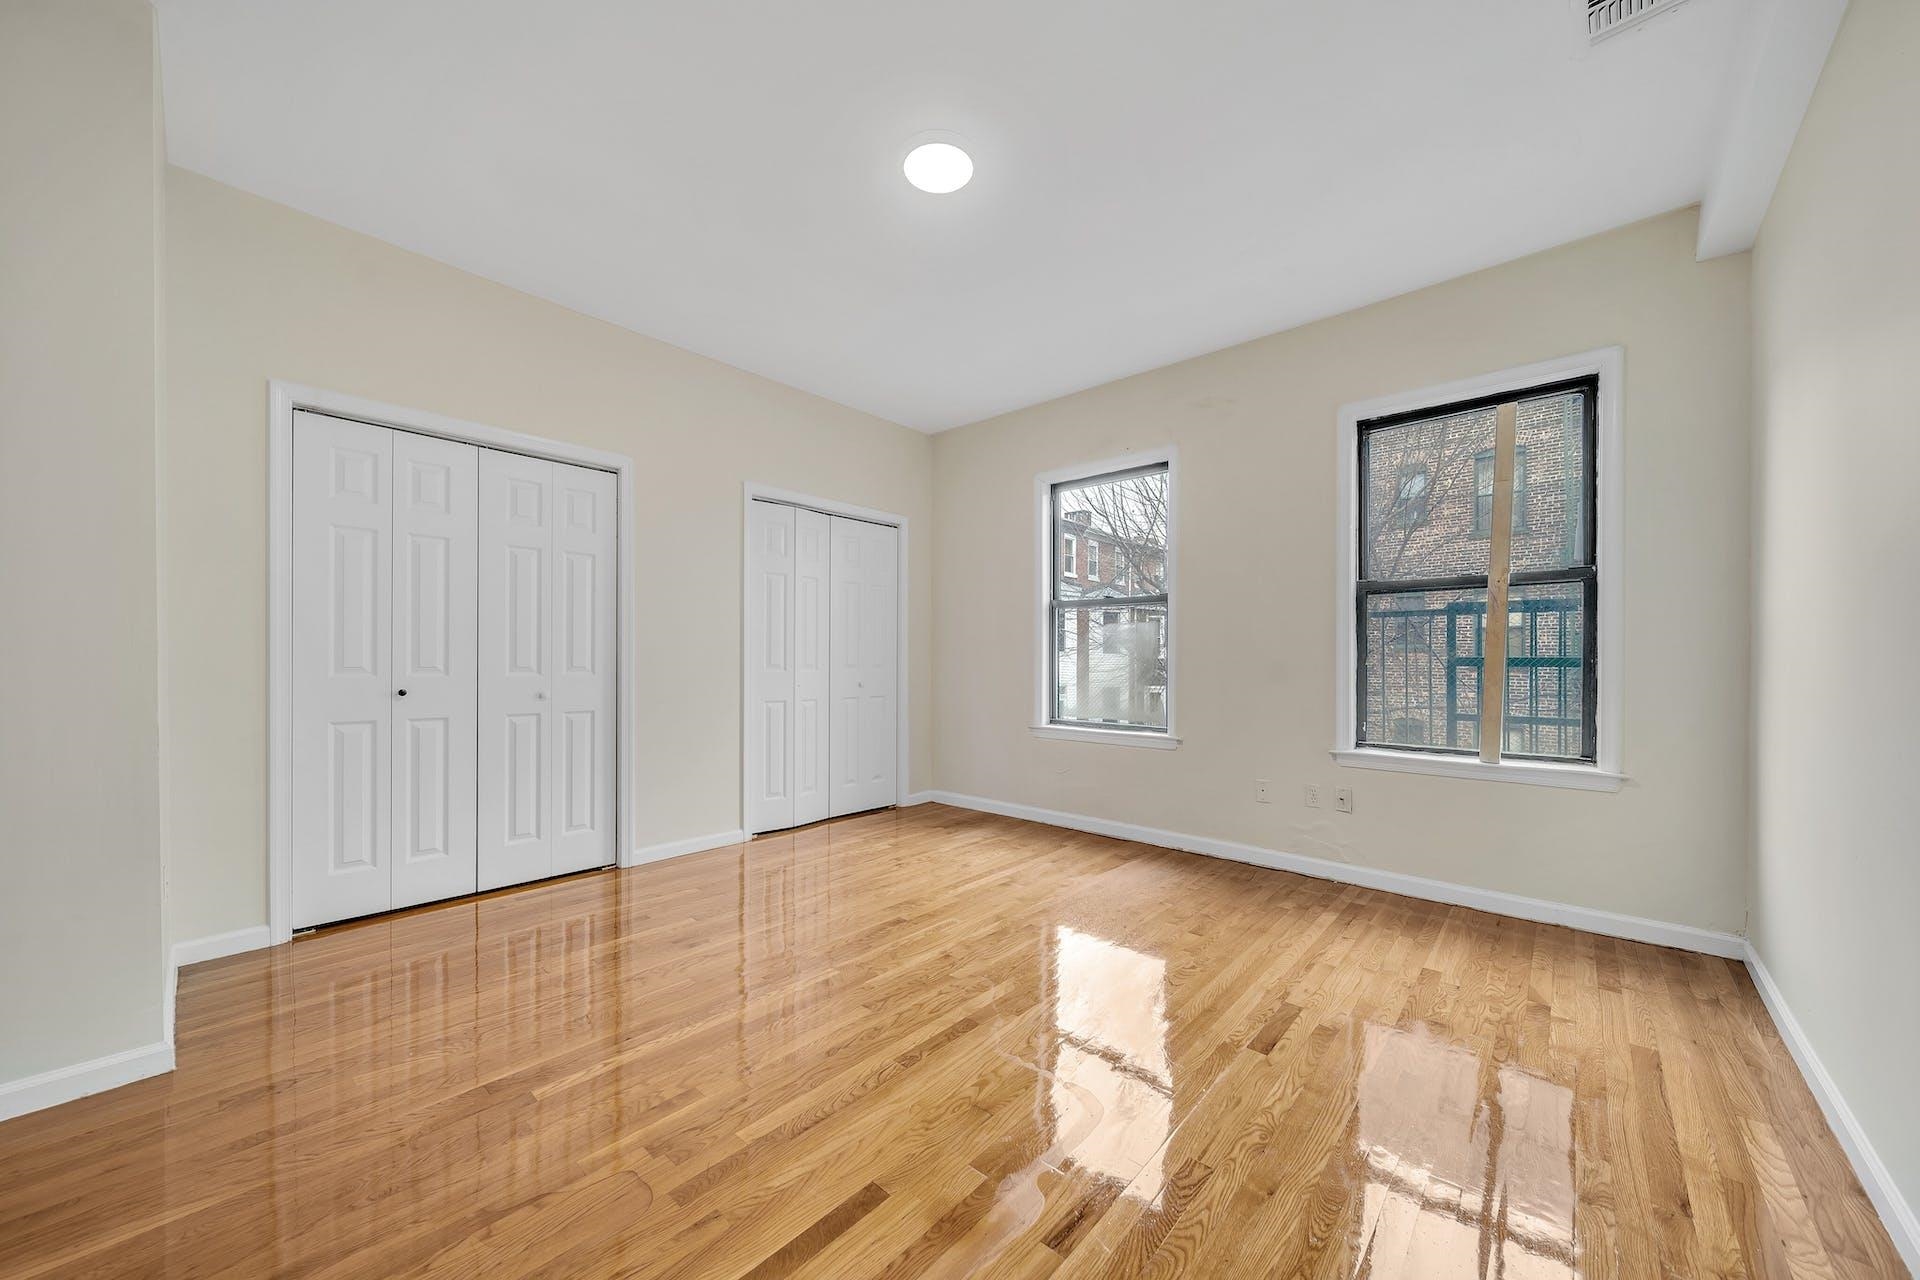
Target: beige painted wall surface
x: 80, y: 917
x: 259, y: 291
x: 1255, y: 428
x: 1836, y: 887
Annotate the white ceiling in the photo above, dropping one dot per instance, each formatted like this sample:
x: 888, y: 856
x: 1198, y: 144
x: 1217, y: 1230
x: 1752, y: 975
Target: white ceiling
x: 1154, y: 180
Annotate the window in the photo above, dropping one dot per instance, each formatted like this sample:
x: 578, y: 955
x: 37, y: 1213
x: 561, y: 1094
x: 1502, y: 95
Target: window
x: 1107, y: 665
x: 1421, y: 568
x: 1410, y: 505
x: 1069, y: 559
x: 1483, y: 491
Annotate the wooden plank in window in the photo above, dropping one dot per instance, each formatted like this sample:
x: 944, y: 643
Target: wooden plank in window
x: 1493, y: 639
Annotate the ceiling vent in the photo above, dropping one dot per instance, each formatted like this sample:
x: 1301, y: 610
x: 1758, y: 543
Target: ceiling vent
x: 1610, y: 17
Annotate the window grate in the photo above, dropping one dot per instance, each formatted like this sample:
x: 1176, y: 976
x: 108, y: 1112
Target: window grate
x: 1610, y: 17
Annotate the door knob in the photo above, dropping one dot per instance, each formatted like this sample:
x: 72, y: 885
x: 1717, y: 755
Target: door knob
x: 401, y: 694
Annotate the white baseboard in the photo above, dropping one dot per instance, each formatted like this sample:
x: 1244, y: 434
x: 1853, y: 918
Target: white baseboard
x: 679, y: 848
x: 169, y: 998
x: 1634, y: 928
x: 1895, y: 1212
x: 231, y: 943
x: 917, y: 797
x: 64, y: 1084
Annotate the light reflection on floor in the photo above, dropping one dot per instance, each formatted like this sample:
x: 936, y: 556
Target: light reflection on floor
x: 1109, y: 1010
x: 1460, y: 1184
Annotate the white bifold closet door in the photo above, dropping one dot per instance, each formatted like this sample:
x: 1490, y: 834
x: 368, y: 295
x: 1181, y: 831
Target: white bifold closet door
x: 812, y: 646
x: 820, y: 632
x: 454, y: 669
x: 383, y: 666
x: 787, y: 675
x: 434, y: 668
x: 865, y: 665
x: 546, y: 653
x: 769, y: 690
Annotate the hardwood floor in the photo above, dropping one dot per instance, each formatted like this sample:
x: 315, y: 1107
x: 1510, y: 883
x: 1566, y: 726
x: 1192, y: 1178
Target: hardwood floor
x: 939, y: 1043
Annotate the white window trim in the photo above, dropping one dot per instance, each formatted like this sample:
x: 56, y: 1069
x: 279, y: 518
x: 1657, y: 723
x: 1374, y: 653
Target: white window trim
x: 1151, y: 738
x: 1605, y: 774
x: 1043, y: 726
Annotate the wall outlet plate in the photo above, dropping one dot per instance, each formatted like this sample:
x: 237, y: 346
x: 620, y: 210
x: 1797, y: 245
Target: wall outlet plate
x: 1263, y: 790
x: 1343, y: 799
x: 1313, y: 795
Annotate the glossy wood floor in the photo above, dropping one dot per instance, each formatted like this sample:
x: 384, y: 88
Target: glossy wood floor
x: 937, y: 1043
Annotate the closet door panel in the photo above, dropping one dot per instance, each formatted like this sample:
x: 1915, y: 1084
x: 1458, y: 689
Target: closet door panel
x: 845, y: 578
x: 435, y: 666
x: 863, y: 647
x: 585, y: 544
x: 812, y: 639
x: 342, y: 691
x: 880, y: 671
x: 770, y: 676
x: 516, y: 662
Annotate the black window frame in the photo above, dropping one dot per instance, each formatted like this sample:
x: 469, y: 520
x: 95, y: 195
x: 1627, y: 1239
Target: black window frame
x: 1585, y: 572
x: 1057, y: 605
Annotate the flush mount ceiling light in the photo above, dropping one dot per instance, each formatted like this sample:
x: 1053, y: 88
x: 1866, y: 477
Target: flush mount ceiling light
x: 938, y: 168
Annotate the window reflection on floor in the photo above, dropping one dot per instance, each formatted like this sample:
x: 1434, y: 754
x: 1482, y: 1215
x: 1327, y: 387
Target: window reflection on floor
x: 1459, y: 1184
x: 1109, y: 1011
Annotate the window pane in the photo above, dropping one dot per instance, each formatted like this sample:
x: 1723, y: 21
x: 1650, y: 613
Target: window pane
x: 1120, y: 527
x: 1428, y: 491
x: 1110, y: 665
x: 1546, y: 671
x: 1420, y: 673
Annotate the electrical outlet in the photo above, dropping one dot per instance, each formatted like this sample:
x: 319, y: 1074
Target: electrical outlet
x: 1263, y: 790
x: 1313, y: 795
x: 1343, y: 799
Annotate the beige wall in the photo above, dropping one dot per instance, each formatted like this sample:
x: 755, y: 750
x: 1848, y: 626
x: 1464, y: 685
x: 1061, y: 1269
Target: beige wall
x: 80, y: 916
x: 258, y: 291
x: 1836, y: 871
x: 1255, y: 429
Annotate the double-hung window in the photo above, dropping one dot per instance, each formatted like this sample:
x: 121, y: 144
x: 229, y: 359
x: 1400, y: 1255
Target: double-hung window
x: 1106, y: 655
x: 1440, y: 592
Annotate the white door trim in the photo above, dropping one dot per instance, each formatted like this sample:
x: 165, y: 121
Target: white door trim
x: 283, y: 398
x: 903, y: 750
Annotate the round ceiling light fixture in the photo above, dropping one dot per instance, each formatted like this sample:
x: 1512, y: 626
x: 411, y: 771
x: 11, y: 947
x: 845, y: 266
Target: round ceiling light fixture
x: 938, y: 168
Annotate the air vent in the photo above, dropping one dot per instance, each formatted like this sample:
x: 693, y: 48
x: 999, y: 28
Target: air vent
x: 1610, y: 17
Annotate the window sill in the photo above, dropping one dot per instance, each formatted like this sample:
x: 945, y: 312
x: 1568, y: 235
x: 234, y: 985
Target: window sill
x: 1572, y: 777
x: 1109, y: 737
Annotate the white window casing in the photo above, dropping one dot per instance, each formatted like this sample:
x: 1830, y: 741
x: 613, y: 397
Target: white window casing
x: 1044, y: 724
x: 1605, y: 773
